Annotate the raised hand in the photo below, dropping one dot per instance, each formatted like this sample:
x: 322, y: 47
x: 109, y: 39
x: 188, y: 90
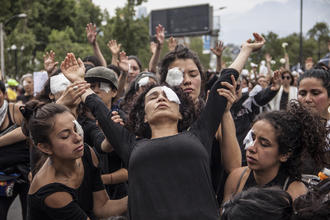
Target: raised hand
x: 218, y: 49
x: 172, y: 42
x: 160, y: 34
x: 49, y: 62
x: 153, y: 47
x: 276, y: 80
x: 91, y: 33
x: 268, y: 57
x: 114, y: 47
x: 116, y: 118
x: 73, y: 69
x: 71, y: 96
x: 123, y: 61
x: 229, y: 93
x: 255, y: 45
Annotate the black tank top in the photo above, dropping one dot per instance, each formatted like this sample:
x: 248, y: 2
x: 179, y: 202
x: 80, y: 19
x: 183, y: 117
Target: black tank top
x: 82, y: 204
x: 14, y: 157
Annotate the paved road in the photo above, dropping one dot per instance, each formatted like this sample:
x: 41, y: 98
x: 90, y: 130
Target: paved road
x: 15, y: 211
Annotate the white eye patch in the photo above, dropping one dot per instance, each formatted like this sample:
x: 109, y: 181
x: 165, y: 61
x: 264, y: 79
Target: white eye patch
x: 144, y: 81
x: 58, y: 83
x: 25, y: 83
x: 171, y: 95
x: 248, y: 140
x: 79, y: 129
x: 105, y: 87
x: 174, y: 77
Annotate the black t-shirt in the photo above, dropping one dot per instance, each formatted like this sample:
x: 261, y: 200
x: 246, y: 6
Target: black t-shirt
x: 284, y: 100
x: 169, y: 177
x: 24, y: 98
x: 81, y: 206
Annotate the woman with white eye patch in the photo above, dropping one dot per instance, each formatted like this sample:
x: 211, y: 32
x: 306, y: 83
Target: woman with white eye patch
x: 169, y: 171
x: 274, y: 149
x: 68, y: 185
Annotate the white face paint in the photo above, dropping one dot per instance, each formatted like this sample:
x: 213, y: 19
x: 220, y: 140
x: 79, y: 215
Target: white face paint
x: 171, y: 95
x: 144, y: 81
x: 174, y: 76
x: 105, y: 87
x: 58, y: 83
x: 80, y: 130
x: 248, y: 140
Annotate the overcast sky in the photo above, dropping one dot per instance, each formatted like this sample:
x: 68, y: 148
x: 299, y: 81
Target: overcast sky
x: 242, y: 17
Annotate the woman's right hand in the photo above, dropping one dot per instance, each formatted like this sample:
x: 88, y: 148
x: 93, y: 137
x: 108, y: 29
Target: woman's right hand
x: 71, y: 96
x: 229, y: 93
x: 116, y: 118
x: 254, y: 45
x: 73, y: 69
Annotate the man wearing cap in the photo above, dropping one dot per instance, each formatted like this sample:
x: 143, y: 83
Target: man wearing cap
x: 104, y: 83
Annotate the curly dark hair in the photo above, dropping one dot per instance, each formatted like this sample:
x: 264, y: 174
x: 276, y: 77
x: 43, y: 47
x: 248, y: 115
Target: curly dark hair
x: 259, y: 203
x: 136, y: 122
x: 315, y: 204
x: 182, y: 52
x: 321, y: 74
x: 299, y: 132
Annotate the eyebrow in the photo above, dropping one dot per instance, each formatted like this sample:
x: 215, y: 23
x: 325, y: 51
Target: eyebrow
x: 153, y: 93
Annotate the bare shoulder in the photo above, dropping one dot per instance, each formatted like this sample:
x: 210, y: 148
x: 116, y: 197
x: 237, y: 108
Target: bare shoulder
x: 58, y: 199
x: 296, y: 189
x: 232, y: 182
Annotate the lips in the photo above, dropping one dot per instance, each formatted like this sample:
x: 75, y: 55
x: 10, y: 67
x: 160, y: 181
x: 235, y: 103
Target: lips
x: 188, y: 90
x: 162, y: 105
x: 250, y: 159
x: 80, y: 148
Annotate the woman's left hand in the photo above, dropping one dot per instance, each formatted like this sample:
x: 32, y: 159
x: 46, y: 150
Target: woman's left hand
x: 229, y: 93
x: 73, y: 69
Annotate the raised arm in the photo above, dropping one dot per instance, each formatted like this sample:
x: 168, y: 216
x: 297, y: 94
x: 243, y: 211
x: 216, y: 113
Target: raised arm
x: 119, y: 137
x: 156, y: 48
x: 247, y: 48
x: 231, y: 156
x: 50, y: 64
x: 115, y: 49
x: 172, y: 42
x: 217, y: 50
x: 91, y: 37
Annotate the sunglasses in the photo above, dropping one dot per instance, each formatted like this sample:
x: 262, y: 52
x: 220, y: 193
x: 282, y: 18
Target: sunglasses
x: 286, y: 77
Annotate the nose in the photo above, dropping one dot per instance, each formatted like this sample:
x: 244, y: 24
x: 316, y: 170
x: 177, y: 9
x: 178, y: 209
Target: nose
x: 186, y: 79
x: 308, y: 98
x: 77, y: 137
x: 252, y: 147
x: 162, y: 97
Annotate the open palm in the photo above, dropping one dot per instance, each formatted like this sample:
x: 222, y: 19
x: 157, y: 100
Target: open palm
x: 73, y: 69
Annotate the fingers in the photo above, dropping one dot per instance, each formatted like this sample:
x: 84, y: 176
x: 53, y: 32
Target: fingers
x: 227, y: 94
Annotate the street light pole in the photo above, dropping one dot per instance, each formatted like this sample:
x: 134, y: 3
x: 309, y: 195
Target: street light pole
x: 2, y: 25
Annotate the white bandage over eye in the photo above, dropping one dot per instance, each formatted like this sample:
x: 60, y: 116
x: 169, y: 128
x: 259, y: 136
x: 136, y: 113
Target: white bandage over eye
x: 25, y: 83
x: 248, y: 140
x: 58, y: 83
x: 105, y: 87
x: 144, y: 81
x: 171, y: 95
x: 79, y: 129
x: 174, y: 77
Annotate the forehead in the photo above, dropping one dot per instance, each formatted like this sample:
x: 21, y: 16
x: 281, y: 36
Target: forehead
x: 265, y: 129
x: 310, y: 83
x: 155, y: 89
x: 133, y: 62
x: 184, y: 63
x: 62, y: 121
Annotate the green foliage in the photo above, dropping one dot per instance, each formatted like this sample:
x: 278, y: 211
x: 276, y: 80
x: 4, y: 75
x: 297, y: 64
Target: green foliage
x: 59, y: 25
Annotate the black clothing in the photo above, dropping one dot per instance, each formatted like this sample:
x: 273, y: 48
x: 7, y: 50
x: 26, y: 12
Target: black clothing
x: 279, y: 180
x: 243, y: 117
x: 81, y: 206
x: 169, y: 177
x: 284, y: 100
x: 14, y: 158
x: 109, y: 162
x: 24, y: 98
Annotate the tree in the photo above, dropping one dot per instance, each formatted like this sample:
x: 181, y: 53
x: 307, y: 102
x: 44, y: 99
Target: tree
x: 320, y: 33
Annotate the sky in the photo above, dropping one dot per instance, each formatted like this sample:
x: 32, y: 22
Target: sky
x: 241, y: 18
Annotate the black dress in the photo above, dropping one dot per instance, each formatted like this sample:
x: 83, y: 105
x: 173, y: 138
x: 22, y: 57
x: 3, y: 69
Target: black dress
x: 169, y: 177
x: 81, y: 206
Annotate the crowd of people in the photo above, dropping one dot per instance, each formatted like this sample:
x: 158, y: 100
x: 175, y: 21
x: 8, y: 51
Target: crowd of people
x: 170, y: 141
